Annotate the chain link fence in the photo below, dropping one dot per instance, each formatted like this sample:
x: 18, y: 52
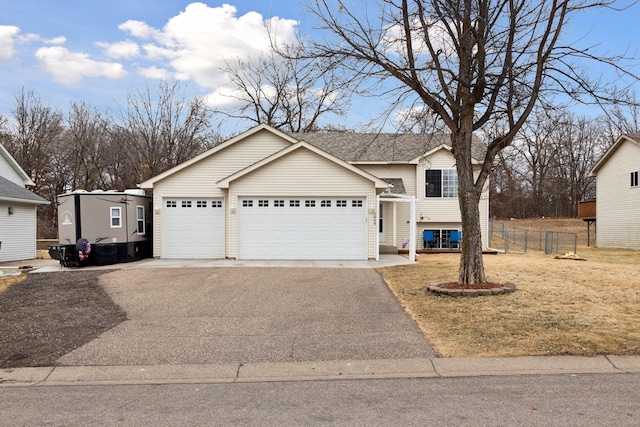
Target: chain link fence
x: 519, y: 240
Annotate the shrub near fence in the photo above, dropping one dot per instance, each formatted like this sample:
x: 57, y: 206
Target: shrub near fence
x: 518, y: 240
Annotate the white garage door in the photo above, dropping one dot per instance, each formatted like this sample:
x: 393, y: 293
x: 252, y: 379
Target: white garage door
x: 302, y: 228
x: 193, y: 228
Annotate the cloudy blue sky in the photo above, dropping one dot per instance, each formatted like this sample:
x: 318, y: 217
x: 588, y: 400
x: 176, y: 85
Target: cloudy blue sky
x: 96, y: 51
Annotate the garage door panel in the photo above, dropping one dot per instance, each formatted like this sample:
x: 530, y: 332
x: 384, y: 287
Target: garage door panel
x: 302, y: 228
x: 193, y: 228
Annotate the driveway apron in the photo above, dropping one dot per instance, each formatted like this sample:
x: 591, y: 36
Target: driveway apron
x: 249, y: 315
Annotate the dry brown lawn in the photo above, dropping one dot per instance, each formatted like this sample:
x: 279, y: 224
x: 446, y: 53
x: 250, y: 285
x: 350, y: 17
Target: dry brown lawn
x: 6, y: 281
x: 560, y: 307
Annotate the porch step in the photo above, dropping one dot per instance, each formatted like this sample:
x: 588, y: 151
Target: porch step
x: 388, y: 250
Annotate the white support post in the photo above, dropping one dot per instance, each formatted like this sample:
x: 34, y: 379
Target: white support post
x: 376, y: 233
x: 412, y: 231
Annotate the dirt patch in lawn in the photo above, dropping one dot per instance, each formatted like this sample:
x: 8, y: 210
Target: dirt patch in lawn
x: 47, y: 315
x: 562, y: 306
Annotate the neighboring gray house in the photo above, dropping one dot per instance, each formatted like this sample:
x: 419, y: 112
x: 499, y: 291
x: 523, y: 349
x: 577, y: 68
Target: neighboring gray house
x: 266, y: 194
x: 618, y: 194
x: 17, y: 211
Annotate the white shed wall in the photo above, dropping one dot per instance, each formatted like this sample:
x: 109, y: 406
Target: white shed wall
x: 17, y: 231
x: 618, y: 204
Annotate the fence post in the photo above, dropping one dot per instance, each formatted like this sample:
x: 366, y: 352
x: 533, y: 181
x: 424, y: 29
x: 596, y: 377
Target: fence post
x: 548, y: 242
x: 505, y: 234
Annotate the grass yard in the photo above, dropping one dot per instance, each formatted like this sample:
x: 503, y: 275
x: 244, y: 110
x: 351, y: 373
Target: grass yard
x: 560, y: 306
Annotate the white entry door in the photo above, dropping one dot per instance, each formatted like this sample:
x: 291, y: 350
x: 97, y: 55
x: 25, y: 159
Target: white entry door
x: 193, y: 228
x: 302, y: 228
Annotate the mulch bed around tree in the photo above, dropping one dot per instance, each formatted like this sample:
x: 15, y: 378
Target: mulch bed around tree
x: 50, y: 314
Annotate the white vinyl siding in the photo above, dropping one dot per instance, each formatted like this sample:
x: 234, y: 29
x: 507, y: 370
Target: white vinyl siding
x: 617, y: 203
x: 17, y: 232
x: 199, y: 179
x: 303, y: 173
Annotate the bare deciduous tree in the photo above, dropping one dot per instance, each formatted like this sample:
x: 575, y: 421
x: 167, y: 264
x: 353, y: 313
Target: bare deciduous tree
x: 285, y: 91
x: 162, y: 129
x: 474, y: 63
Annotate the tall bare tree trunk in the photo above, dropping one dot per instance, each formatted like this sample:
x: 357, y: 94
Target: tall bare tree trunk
x: 471, y: 261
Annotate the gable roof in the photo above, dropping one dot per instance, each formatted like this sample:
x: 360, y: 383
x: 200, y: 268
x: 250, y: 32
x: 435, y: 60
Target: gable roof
x: 149, y: 183
x: 224, y: 183
x: 383, y: 147
x: 12, y: 162
x: 12, y: 192
x: 631, y: 137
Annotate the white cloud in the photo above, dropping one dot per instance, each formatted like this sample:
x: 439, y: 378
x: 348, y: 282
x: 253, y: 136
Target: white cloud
x: 56, y: 40
x: 70, y: 67
x: 195, y: 44
x: 126, y: 49
x: 138, y: 29
x: 7, y: 33
x: 156, y: 73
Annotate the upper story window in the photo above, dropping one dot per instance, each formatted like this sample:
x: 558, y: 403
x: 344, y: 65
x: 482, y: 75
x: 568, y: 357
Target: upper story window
x: 116, y: 217
x: 634, y: 178
x: 140, y: 219
x: 441, y: 183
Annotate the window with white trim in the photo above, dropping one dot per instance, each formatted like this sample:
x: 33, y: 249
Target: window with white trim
x: 172, y: 204
x: 263, y: 203
x: 116, y: 217
x: 294, y: 203
x: 216, y: 203
x: 201, y: 203
x: 309, y: 203
x: 341, y: 203
x: 325, y: 203
x: 140, y: 219
x: 440, y: 183
x: 278, y: 203
x: 634, y: 178
x: 186, y: 203
x: 247, y: 203
x: 356, y: 203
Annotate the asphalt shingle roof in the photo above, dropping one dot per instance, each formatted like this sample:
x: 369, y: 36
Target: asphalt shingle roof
x: 397, y: 185
x: 380, y: 147
x: 11, y: 190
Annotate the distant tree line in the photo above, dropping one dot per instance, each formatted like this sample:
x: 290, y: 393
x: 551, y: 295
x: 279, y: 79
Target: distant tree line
x: 90, y: 149
x: 545, y: 172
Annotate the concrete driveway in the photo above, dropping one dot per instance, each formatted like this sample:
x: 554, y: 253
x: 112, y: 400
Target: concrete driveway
x: 248, y: 315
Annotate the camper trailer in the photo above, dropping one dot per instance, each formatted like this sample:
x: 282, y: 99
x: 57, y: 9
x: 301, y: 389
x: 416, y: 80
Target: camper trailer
x: 103, y: 227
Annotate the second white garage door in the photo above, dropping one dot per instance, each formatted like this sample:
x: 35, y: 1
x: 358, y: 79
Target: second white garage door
x: 193, y: 228
x: 302, y: 228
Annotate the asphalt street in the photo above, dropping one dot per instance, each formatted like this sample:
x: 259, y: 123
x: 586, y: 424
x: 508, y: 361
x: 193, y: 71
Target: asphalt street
x: 553, y: 400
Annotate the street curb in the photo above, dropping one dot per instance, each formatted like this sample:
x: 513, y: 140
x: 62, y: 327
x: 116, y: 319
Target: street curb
x: 317, y: 371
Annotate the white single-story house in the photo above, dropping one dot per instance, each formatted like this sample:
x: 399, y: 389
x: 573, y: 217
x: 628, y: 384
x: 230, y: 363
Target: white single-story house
x: 17, y: 211
x: 266, y: 194
x: 618, y: 194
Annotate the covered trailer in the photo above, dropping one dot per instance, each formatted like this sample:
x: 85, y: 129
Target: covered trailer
x: 103, y: 227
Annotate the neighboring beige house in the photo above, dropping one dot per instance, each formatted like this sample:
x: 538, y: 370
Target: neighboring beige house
x: 618, y: 194
x: 17, y: 211
x: 266, y: 194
